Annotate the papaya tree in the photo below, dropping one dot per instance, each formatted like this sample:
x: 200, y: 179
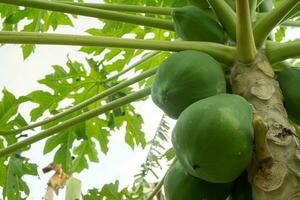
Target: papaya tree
x: 220, y: 68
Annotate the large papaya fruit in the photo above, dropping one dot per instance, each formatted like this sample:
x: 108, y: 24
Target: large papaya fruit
x: 179, y: 185
x: 213, y: 138
x: 193, y: 24
x: 266, y: 6
x: 184, y: 78
x: 289, y: 81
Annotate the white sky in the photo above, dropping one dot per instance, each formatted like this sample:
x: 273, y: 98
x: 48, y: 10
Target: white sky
x: 20, y: 77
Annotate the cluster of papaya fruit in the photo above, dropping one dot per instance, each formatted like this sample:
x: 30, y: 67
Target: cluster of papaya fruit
x: 213, y: 135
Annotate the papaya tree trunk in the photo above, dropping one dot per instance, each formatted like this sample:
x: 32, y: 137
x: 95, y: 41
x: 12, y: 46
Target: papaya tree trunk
x: 278, y: 177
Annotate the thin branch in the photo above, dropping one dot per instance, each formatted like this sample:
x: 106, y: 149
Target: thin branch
x: 277, y: 52
x: 85, y: 103
x: 125, y: 8
x: 74, y: 121
x: 93, y: 12
x: 268, y: 22
x: 226, y: 16
x: 245, y: 41
x: 139, y: 62
x: 221, y: 52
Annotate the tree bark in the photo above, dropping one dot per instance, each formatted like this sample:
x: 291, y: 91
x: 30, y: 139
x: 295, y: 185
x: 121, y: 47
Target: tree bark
x: 279, y: 177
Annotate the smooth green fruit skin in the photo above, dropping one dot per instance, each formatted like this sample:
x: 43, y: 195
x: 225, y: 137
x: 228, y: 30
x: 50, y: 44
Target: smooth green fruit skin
x: 193, y: 24
x: 184, y: 78
x: 199, y: 3
x: 213, y: 138
x: 289, y: 81
x: 179, y: 185
x: 242, y: 188
x: 266, y: 6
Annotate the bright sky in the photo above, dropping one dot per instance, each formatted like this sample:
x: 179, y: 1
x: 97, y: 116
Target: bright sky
x: 20, y: 77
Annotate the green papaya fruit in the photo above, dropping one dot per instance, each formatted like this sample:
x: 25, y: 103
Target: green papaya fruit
x: 193, y: 24
x: 213, y: 138
x: 242, y: 188
x: 289, y: 81
x: 266, y: 6
x: 199, y: 3
x: 179, y: 185
x: 184, y: 78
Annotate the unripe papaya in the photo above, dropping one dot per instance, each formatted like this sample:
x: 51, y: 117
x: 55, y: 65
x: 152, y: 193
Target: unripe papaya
x: 184, y: 78
x: 289, y: 81
x: 213, y: 138
x: 193, y: 24
x: 199, y: 3
x: 266, y: 6
x: 179, y: 185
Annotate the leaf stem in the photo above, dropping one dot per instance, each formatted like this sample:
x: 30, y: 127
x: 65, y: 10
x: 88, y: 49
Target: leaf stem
x: 226, y: 16
x: 245, y: 41
x: 93, y: 12
x: 125, y: 8
x: 291, y: 23
x: 85, y: 103
x: 294, y: 12
x: 151, y: 55
x: 277, y: 52
x: 253, y: 4
x: 268, y: 22
x: 221, y: 52
x: 76, y: 120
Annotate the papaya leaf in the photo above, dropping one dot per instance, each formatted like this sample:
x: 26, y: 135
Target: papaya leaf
x: 8, y: 107
x: 64, y: 140
x: 134, y: 134
x: 86, y: 148
x: 280, y: 34
x: 31, y: 20
x: 9, y: 116
x: 16, y: 168
x: 2, y: 165
x: 65, y: 84
x: 95, y: 128
x: 108, y: 191
x: 115, y: 60
x: 45, y: 100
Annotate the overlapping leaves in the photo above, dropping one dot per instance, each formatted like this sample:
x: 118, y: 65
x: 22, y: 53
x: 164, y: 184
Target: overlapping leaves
x: 77, y: 83
x: 109, y: 191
